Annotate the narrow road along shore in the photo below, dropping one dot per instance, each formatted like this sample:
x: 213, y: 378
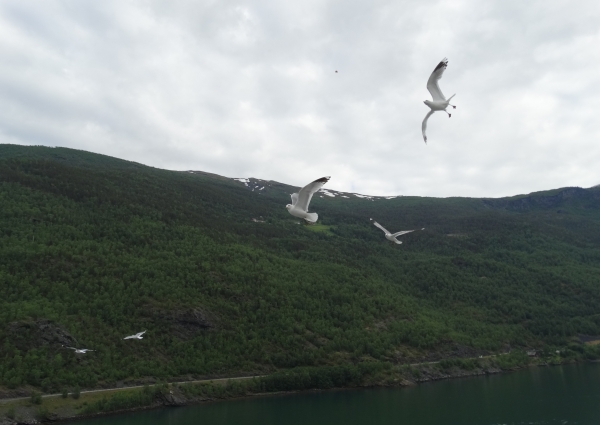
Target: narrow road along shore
x: 236, y: 378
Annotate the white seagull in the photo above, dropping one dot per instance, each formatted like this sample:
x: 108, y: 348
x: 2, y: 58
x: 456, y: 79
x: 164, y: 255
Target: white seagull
x: 439, y: 102
x: 299, y: 206
x: 136, y: 336
x: 392, y: 236
x: 79, y: 350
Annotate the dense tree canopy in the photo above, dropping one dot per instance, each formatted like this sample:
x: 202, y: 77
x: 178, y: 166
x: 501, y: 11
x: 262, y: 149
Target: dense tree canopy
x: 99, y: 248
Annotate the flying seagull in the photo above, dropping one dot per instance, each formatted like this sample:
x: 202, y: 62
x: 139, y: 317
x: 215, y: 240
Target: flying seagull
x: 136, y: 336
x: 79, y: 350
x: 439, y: 102
x: 392, y: 236
x: 299, y: 206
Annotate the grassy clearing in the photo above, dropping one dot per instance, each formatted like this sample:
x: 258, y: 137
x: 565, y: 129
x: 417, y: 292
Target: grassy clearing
x: 321, y: 228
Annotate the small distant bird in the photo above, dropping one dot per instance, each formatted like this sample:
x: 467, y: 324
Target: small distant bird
x: 79, y: 350
x: 392, y: 236
x: 439, y: 101
x: 136, y: 336
x: 299, y: 206
x: 336, y: 72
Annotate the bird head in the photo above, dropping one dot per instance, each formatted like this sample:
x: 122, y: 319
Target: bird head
x: 289, y: 206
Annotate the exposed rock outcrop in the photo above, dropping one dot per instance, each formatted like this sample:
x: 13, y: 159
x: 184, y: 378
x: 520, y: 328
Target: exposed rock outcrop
x: 41, y: 333
x: 195, y: 318
x: 174, y: 398
x: 185, y: 323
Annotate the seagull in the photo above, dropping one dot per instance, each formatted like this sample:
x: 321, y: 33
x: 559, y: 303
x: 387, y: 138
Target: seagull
x: 299, y: 206
x: 136, y: 336
x: 439, y: 101
x: 392, y: 236
x: 79, y: 350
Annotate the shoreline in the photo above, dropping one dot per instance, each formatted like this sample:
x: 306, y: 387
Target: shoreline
x: 177, y: 394
x: 133, y: 387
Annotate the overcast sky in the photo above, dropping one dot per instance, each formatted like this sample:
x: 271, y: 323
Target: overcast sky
x: 249, y: 89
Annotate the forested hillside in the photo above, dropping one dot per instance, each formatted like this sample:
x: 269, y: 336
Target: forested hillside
x: 94, y: 248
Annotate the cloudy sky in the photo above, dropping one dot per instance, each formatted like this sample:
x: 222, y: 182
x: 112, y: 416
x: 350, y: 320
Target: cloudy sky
x: 249, y: 89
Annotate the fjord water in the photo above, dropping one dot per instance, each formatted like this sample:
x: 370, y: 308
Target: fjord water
x: 546, y: 395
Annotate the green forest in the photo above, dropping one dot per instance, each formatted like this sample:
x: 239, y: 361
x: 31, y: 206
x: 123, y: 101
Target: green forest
x: 94, y: 248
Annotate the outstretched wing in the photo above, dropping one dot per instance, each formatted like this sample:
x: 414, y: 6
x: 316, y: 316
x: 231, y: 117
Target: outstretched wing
x: 432, y: 83
x: 306, y: 193
x: 424, y: 125
x: 402, y: 232
x: 381, y: 227
x: 294, y: 198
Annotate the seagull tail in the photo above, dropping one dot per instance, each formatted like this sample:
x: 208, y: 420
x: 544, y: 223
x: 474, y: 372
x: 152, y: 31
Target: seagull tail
x: 312, y: 218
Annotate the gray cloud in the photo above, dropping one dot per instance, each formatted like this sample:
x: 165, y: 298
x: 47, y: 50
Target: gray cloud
x: 249, y: 89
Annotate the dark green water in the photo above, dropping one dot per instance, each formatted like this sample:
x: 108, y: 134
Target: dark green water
x: 551, y: 395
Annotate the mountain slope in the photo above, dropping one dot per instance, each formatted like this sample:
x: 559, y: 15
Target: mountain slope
x: 93, y: 248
